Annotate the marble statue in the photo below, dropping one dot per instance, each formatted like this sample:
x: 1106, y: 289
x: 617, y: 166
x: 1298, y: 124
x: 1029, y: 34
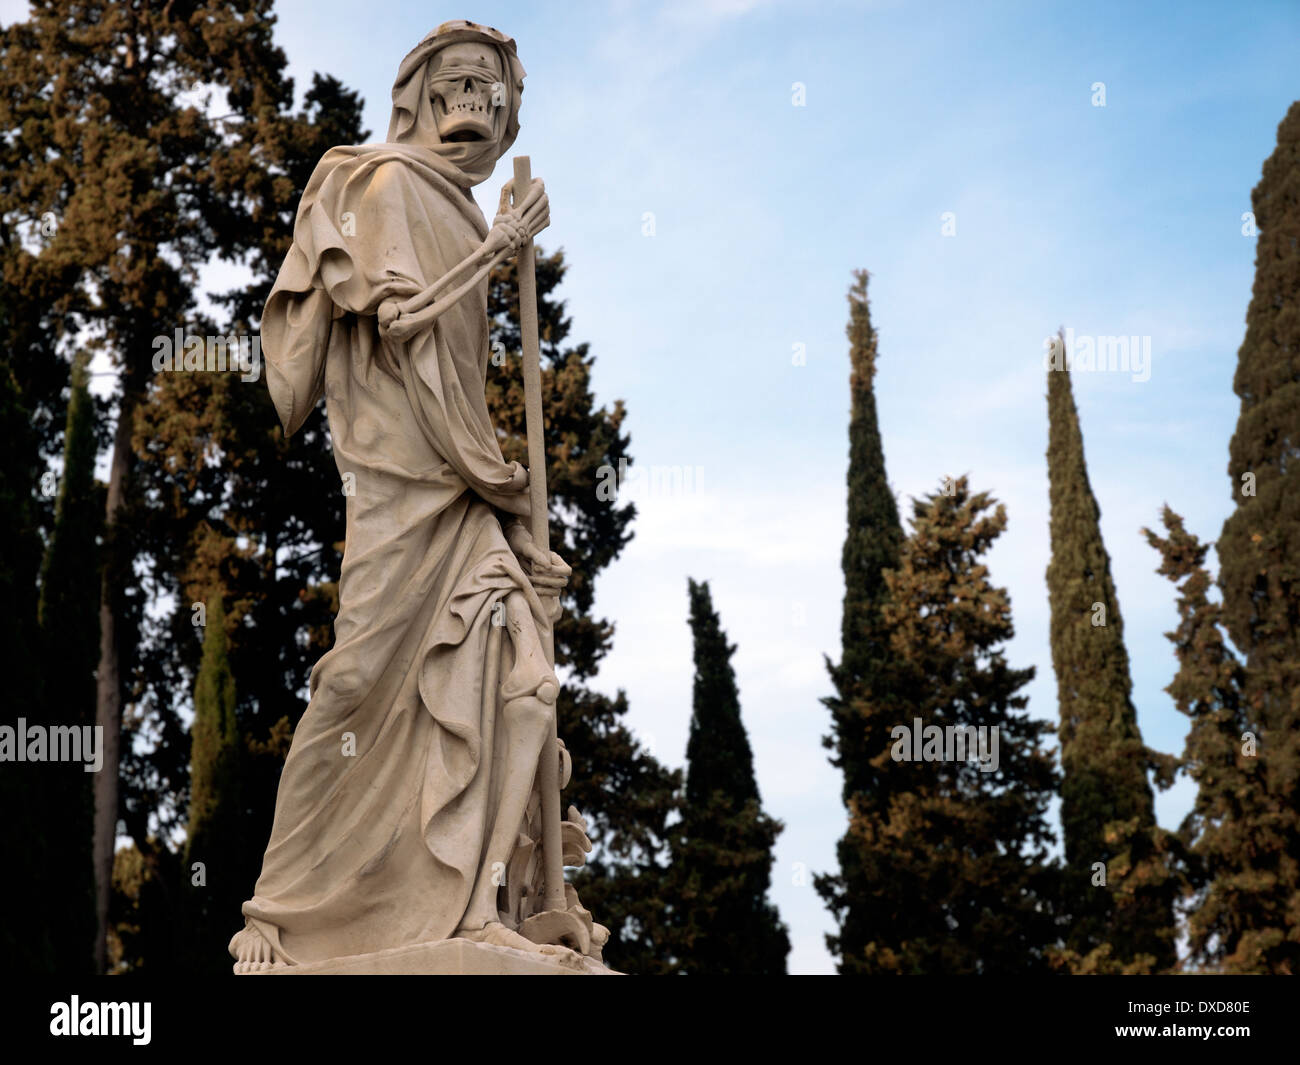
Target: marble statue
x: 416, y: 825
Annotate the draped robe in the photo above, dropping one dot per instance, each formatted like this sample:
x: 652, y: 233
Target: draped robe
x: 382, y: 847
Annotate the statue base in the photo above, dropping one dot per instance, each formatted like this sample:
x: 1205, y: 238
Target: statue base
x: 448, y: 957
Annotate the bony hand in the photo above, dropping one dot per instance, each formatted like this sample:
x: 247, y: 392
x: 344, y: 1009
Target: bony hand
x: 396, y: 326
x: 387, y: 315
x: 547, y: 571
x: 517, y: 223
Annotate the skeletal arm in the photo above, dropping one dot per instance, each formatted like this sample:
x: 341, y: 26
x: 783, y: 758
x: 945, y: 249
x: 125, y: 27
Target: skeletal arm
x: 402, y: 319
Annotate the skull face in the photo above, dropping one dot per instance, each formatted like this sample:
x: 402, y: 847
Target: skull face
x: 465, y: 87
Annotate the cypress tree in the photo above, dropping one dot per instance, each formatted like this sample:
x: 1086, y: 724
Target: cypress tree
x: 1259, y: 547
x: 1231, y: 887
x: 723, y: 854
x: 214, y: 852
x: 1107, y: 810
x: 69, y: 634
x: 957, y: 858
x: 860, y: 708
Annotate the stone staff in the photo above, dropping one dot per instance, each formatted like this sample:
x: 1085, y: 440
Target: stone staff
x: 548, y: 772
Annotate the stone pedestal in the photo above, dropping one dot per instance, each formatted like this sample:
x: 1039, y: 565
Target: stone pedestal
x: 450, y: 957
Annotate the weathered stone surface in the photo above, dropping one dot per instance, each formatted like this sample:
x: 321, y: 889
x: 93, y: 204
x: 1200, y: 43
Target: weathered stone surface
x: 449, y: 957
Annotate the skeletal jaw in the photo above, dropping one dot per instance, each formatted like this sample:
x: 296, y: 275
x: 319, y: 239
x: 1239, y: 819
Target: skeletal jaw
x: 462, y: 110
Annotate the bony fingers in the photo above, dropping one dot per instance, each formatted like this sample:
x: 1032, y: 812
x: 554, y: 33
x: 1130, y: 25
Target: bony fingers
x: 535, y: 191
x: 536, y: 223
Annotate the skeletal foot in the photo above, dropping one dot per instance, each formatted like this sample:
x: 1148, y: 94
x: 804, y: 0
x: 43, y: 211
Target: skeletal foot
x: 252, y: 952
x: 498, y: 935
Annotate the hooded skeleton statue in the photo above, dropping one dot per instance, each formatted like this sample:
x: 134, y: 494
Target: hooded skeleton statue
x: 407, y: 812
x: 457, y: 94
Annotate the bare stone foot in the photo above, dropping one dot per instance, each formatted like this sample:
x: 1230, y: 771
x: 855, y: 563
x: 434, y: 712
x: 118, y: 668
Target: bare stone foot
x: 252, y: 952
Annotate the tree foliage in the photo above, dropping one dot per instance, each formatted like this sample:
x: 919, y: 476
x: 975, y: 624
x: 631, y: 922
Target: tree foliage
x: 722, y: 853
x: 862, y: 710
x: 1107, y: 808
x: 954, y: 845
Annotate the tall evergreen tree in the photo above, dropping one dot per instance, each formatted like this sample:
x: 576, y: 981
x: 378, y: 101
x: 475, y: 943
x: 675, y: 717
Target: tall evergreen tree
x: 216, y: 848
x: 1107, y: 809
x: 69, y: 634
x: 1229, y: 818
x: 861, y: 713
x: 957, y: 857
x: 1259, y: 548
x: 722, y: 857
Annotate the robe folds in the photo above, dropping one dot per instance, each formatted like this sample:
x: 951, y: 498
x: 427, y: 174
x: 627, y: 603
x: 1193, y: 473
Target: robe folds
x: 378, y: 840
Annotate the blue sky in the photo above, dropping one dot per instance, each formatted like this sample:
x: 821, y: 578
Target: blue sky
x: 1115, y: 220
